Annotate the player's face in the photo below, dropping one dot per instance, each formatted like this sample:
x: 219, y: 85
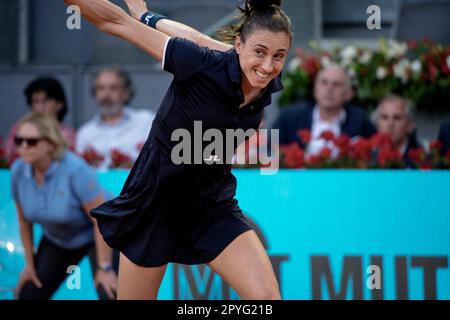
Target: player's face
x: 262, y: 56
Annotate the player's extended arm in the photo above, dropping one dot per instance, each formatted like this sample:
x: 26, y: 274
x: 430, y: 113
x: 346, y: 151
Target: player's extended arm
x: 113, y: 20
x: 176, y: 29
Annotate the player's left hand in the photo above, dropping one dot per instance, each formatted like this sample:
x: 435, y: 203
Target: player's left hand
x: 137, y: 8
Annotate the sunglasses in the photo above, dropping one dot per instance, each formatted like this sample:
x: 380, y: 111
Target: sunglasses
x: 31, y: 142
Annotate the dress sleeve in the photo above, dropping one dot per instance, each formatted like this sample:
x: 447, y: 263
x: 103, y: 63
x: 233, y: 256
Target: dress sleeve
x: 183, y: 58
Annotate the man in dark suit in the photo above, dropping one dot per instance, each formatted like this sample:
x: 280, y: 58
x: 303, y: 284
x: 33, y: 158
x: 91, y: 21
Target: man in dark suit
x: 444, y: 137
x: 332, y: 92
x: 394, y: 116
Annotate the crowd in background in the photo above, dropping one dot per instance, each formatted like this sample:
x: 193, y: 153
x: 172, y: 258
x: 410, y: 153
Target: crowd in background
x: 310, y: 134
x: 333, y: 133
x: 54, y: 182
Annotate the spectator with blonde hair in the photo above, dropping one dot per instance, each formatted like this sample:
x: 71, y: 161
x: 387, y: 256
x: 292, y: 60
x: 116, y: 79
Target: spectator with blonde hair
x: 56, y: 189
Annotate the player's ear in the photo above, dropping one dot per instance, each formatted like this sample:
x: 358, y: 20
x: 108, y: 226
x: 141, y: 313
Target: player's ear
x: 238, y: 44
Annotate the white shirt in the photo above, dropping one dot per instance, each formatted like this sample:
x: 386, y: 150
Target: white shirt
x: 125, y: 135
x: 319, y: 126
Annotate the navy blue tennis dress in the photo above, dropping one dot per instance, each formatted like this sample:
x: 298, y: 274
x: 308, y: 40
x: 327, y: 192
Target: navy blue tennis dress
x: 184, y: 213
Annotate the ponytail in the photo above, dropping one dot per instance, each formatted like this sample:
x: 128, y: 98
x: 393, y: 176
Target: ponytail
x: 257, y: 14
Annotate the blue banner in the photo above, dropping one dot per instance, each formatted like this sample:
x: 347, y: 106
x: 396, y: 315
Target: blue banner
x: 330, y: 234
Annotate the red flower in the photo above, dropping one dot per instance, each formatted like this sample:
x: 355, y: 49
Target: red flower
x: 343, y: 144
x: 92, y: 157
x: 427, y: 42
x: 2, y: 150
x: 120, y: 159
x: 325, y: 153
x: 417, y: 155
x: 380, y: 140
x: 433, y: 72
x: 412, y: 44
x: 304, y: 135
x: 427, y: 165
x: 388, y: 155
x: 314, y: 160
x: 436, y: 145
x: 361, y: 149
x: 311, y: 65
x: 293, y: 155
x: 327, y: 135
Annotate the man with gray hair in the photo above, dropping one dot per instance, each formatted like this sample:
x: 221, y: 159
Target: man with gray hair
x: 394, y: 116
x: 330, y: 112
x: 116, y: 127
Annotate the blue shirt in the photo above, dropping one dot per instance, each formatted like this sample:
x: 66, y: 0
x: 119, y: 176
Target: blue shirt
x: 57, y: 204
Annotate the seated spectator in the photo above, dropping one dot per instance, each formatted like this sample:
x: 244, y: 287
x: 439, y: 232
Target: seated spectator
x: 444, y: 138
x: 117, y: 128
x: 46, y: 95
x: 394, y: 116
x: 332, y: 92
x: 56, y: 189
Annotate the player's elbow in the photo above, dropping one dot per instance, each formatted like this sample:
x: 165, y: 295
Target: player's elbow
x: 200, y: 39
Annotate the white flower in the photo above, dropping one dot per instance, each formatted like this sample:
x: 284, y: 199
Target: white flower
x: 294, y: 64
x: 325, y: 61
x: 401, y: 68
x: 448, y: 61
x: 348, y: 53
x: 381, y: 73
x: 396, y: 49
x: 365, y: 58
x: 416, y: 67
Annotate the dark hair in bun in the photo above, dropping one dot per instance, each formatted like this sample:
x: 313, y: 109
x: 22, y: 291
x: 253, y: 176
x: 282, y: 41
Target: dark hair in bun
x: 261, y: 4
x: 258, y: 15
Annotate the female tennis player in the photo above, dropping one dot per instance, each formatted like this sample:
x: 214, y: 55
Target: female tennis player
x: 186, y: 213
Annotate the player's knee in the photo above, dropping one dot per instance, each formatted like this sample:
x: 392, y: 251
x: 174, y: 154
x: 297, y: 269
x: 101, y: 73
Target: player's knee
x: 272, y: 294
x: 267, y: 292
